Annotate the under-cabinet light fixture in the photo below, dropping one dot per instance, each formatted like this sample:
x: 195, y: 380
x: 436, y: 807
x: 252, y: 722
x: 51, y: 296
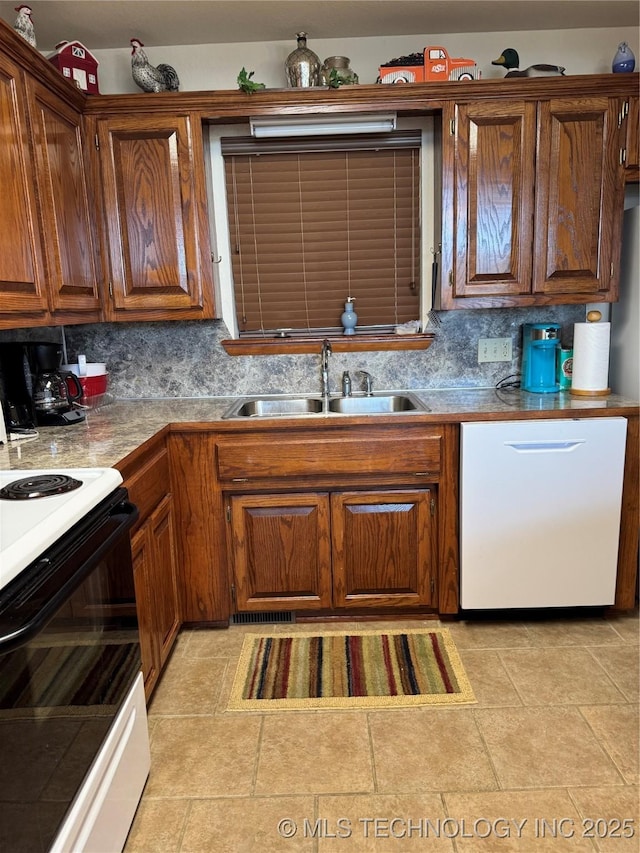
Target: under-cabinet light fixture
x: 321, y: 125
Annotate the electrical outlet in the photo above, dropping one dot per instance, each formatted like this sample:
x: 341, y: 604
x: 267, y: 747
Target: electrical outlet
x: 494, y: 349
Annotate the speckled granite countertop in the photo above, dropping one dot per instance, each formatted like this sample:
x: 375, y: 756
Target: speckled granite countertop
x: 112, y: 432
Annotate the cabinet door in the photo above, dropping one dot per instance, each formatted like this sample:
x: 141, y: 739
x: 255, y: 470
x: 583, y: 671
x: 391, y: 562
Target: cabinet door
x: 22, y: 289
x: 488, y: 180
x: 281, y: 551
x: 155, y: 209
x: 579, y: 199
x: 165, y: 616
x: 64, y: 200
x: 631, y: 112
x: 142, y: 558
x: 383, y: 548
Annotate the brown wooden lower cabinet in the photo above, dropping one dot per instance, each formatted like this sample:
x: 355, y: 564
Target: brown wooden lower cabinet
x: 154, y: 568
x: 281, y: 552
x: 314, y: 551
x: 154, y: 553
x: 383, y: 548
x: 143, y: 581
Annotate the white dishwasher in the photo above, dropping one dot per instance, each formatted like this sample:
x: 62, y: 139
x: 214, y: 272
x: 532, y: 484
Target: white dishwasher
x: 540, y: 512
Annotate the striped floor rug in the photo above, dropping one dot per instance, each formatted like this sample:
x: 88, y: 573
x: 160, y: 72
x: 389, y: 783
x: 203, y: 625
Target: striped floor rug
x: 364, y: 669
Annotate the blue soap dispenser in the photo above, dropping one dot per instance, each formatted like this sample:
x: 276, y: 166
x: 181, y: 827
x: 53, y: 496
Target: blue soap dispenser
x: 349, y: 317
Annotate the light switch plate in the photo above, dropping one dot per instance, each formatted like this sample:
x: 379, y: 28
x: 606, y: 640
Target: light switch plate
x: 494, y: 349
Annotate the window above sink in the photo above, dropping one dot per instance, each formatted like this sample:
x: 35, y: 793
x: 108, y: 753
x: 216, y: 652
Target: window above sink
x: 243, y: 287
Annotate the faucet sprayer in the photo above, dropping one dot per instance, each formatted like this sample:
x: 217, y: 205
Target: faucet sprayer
x: 368, y: 383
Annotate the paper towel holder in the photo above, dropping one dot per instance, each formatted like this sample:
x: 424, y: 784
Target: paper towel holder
x: 593, y: 318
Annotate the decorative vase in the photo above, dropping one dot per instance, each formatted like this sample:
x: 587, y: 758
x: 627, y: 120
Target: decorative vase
x: 344, y: 74
x: 624, y: 60
x: 302, y: 65
x: 349, y: 318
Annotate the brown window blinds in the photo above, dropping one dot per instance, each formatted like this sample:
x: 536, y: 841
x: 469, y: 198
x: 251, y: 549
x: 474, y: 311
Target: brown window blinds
x: 310, y: 227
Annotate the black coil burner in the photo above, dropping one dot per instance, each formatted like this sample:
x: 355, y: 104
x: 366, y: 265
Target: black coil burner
x: 39, y: 486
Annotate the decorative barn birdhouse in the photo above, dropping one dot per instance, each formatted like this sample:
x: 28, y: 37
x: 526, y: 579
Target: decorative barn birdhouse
x: 74, y: 61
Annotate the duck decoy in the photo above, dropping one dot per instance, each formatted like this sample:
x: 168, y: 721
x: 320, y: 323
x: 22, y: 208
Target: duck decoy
x: 509, y: 59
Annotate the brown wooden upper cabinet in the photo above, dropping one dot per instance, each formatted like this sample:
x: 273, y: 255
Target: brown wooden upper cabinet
x: 532, y: 199
x: 65, y: 207
x: 154, y: 205
x: 22, y: 284
x: 47, y: 271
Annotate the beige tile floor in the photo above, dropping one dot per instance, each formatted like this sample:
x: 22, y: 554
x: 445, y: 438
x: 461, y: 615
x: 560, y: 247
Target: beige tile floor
x: 547, y: 760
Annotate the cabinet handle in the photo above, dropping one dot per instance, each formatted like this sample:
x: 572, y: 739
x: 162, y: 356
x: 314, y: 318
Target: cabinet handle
x: 239, y: 479
x: 421, y: 473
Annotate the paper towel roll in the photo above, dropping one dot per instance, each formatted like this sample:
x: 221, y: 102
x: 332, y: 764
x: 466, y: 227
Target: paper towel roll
x: 591, y: 359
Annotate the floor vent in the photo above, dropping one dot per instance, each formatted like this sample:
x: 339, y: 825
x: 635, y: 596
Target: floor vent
x: 274, y: 618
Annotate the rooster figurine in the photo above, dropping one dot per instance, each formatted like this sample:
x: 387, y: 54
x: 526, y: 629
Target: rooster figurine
x: 150, y: 78
x: 24, y: 25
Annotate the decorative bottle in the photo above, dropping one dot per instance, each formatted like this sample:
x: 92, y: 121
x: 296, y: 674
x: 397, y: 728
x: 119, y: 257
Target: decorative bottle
x: 349, y: 317
x: 624, y: 60
x: 302, y: 65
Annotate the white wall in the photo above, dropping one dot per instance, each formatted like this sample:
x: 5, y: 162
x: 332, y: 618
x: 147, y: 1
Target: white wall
x: 206, y: 67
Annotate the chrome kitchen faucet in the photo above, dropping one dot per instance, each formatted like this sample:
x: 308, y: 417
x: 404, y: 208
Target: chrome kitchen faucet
x: 326, y: 352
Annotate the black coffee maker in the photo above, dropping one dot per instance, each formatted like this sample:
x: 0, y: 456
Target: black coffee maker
x: 33, y: 389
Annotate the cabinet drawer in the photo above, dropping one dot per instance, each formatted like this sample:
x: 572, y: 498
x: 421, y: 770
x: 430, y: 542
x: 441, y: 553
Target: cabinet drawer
x: 150, y: 483
x: 274, y: 457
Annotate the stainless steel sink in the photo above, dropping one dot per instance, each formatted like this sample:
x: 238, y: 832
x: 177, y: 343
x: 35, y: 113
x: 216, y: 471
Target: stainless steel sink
x: 273, y: 407
x: 270, y: 407
x: 378, y: 404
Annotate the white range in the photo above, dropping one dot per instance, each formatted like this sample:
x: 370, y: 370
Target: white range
x: 30, y: 525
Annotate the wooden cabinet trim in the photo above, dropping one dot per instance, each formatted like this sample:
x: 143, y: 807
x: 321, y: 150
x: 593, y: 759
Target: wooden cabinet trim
x: 222, y: 105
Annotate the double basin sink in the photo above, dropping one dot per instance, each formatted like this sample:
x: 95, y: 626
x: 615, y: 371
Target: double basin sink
x: 376, y: 404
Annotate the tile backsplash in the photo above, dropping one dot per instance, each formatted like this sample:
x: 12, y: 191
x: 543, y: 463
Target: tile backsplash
x: 186, y: 359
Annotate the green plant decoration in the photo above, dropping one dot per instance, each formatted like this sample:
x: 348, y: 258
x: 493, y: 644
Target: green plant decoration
x: 335, y: 80
x: 246, y: 83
